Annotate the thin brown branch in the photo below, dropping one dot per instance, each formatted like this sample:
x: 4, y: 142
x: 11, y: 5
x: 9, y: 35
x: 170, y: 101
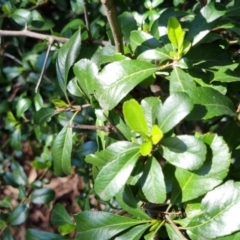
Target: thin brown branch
x: 91, y: 127
x: 114, y: 25
x: 27, y: 33
x: 85, y: 9
x: 181, y: 237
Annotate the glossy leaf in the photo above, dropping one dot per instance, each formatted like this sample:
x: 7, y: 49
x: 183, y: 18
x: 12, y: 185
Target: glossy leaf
x: 129, y: 203
x: 190, y: 185
x: 180, y: 81
x: 86, y: 72
x: 184, y: 151
x: 134, y: 117
x: 61, y: 152
x: 22, y: 105
x: 18, y: 215
x: 67, y: 55
x: 175, y: 108
x: 152, y: 181
x: 117, y: 79
x: 21, y: 16
x: 210, y: 103
x: 42, y: 196
x: 175, y: 33
x: 43, y: 115
x: 60, y: 215
x: 203, y: 23
x: 33, y: 234
x: 113, y: 176
x: 212, y: 222
x: 92, y: 224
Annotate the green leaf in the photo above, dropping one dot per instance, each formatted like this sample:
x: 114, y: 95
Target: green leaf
x: 113, y: 176
x: 44, y: 115
x: 60, y: 216
x: 219, y: 206
x: 18, y: 215
x: 67, y: 55
x: 61, y: 152
x: 59, y: 103
x: 134, y: 117
x: 210, y: 103
x: 184, y: 151
x: 150, y: 106
x: 86, y: 72
x: 233, y: 8
x: 6, y: 202
x: 92, y: 224
x: 7, y: 235
x: 175, y: 108
x: 74, y: 88
x: 66, y: 229
x: 190, y: 185
x: 112, y: 88
x: 18, y: 173
x: 42, y: 196
x: 146, y: 148
x: 152, y: 181
x: 175, y: 33
x: 134, y: 233
x: 21, y: 16
x: 33, y: 234
x: 203, y: 23
x: 156, y: 134
x: 16, y: 140
x: 180, y: 81
x: 129, y: 203
x: 22, y: 105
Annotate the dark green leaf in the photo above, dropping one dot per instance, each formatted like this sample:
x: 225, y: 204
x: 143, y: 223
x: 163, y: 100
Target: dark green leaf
x: 190, y: 185
x: 16, y: 140
x: 44, y: 115
x: 92, y: 224
x: 33, y: 234
x: 180, y: 81
x: 21, y: 16
x: 7, y: 235
x: 129, y: 203
x: 42, y: 196
x: 203, y: 23
x: 117, y: 79
x: 60, y: 216
x: 67, y: 55
x: 61, y: 152
x: 22, y: 105
x: 210, y: 103
x: 113, y: 176
x: 219, y: 206
x: 152, y: 181
x: 134, y: 117
x: 184, y: 151
x: 86, y: 72
x: 18, y: 215
x: 176, y: 107
x: 18, y: 173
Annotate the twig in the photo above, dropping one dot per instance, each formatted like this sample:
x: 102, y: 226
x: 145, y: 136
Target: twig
x: 27, y: 33
x: 114, y: 25
x: 50, y: 42
x: 91, y: 127
x: 181, y: 237
x: 85, y: 9
x: 13, y: 58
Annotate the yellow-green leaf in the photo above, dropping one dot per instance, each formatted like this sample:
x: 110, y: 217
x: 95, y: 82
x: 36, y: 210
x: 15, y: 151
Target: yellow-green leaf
x: 146, y: 148
x: 156, y: 134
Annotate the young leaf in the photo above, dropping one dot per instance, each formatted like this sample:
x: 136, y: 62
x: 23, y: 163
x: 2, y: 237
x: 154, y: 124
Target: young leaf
x: 113, y: 176
x: 117, y: 79
x: 134, y: 117
x: 61, y: 152
x: 156, y: 134
x: 129, y: 203
x: 184, y: 151
x: 146, y: 148
x: 153, y: 185
x: 175, y: 33
x: 86, y: 72
x: 219, y: 206
x: 67, y: 55
x: 92, y: 224
x: 190, y: 185
x: 176, y: 107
